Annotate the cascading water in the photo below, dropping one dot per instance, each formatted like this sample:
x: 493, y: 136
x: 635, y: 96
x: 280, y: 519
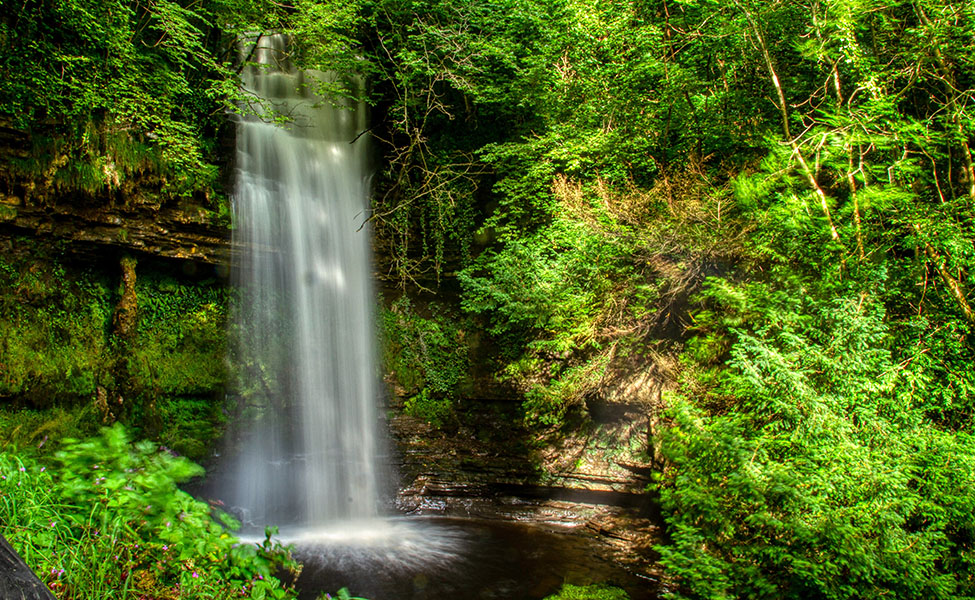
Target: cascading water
x: 305, y: 320
x: 305, y: 454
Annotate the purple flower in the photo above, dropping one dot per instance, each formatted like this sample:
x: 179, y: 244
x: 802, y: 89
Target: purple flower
x: 195, y: 576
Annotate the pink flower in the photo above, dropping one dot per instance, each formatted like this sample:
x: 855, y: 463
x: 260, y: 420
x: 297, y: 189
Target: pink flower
x: 195, y: 576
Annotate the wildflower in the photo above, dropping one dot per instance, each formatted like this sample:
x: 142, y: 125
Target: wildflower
x: 43, y: 469
x: 22, y: 469
x: 195, y: 575
x: 52, y: 523
x: 165, y: 547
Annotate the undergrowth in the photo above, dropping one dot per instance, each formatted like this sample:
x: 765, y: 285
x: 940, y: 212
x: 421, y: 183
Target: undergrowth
x: 589, y: 592
x: 104, y: 519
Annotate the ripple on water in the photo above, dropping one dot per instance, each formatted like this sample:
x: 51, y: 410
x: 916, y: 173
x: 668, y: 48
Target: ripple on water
x: 390, y: 544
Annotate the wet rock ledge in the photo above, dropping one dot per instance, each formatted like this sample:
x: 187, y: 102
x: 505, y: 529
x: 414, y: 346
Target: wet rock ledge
x: 182, y: 230
x: 594, y: 483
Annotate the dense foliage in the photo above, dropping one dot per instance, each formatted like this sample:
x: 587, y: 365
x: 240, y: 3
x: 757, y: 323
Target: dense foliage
x: 104, y: 519
x: 796, y: 175
x: 133, y: 96
x: 427, y: 356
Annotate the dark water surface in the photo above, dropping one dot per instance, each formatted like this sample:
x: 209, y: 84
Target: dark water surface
x: 427, y: 558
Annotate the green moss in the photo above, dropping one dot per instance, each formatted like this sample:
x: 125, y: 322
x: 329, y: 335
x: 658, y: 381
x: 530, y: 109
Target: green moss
x: 41, y: 430
x: 193, y: 423
x: 589, y: 592
x: 427, y: 356
x: 57, y: 351
x: 53, y: 330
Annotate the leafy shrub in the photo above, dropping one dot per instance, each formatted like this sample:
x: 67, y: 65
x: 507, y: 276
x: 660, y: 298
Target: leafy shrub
x: 807, y: 466
x: 106, y: 520
x: 432, y: 409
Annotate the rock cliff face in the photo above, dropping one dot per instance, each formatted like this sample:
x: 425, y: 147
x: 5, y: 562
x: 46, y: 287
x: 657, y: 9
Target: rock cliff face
x: 131, y: 213
x: 182, y: 231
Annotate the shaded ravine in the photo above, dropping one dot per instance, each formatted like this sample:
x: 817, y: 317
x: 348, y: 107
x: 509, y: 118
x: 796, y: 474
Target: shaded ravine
x: 304, y: 453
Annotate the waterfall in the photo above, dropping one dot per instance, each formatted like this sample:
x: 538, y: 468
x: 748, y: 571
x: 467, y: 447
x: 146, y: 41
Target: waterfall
x: 305, y: 328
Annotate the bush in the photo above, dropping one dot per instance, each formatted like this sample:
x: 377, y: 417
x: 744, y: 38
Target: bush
x: 435, y: 411
x: 106, y: 520
x: 808, y: 466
